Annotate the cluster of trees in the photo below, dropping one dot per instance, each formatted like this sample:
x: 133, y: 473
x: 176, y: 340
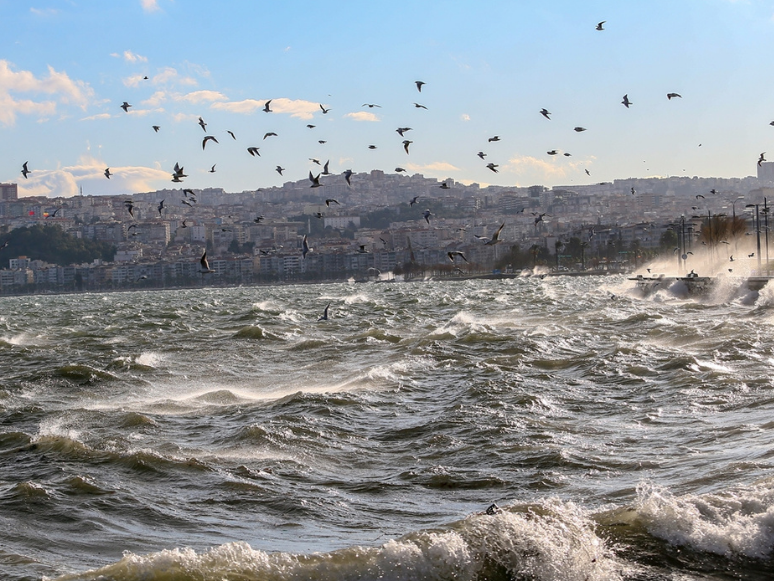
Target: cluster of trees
x: 53, y: 245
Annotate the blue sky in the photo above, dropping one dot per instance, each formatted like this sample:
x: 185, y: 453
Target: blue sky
x: 67, y: 65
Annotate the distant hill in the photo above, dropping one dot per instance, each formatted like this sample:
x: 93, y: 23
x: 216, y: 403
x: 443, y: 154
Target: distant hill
x: 53, y: 245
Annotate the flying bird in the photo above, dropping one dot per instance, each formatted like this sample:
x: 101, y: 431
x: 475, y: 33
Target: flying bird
x: 419, y: 85
x: 481, y: 154
x: 253, y: 151
x: 231, y: 133
x: 161, y: 207
x: 495, y: 138
x: 414, y: 200
x: 205, y: 264
x: 418, y: 106
x: 552, y: 152
x: 305, y: 247
x: 266, y: 107
x: 315, y: 180
x: 599, y: 25
x: 208, y: 138
x: 125, y: 106
x: 761, y: 159
x: 426, y: 215
x: 186, y: 191
x: 321, y: 141
x: 493, y: 167
x: 347, y: 176
x: 258, y: 219
x: 495, y: 237
x: 129, y: 207
x: 444, y: 186
x: 545, y: 113
x: 202, y: 124
x: 626, y: 102
x: 313, y: 160
x: 324, y: 110
x: 184, y: 225
x: 451, y: 254
x: 156, y: 128
x: 371, y: 105
x: 107, y: 172
x: 399, y: 169
x: 269, y: 134
x: 671, y: 96
x: 371, y: 147
x: 330, y: 201
x: 588, y: 173
x: 279, y: 169
x: 311, y: 126
x: 579, y: 129
x: 324, y: 316
x: 406, y: 144
x: 401, y: 130
x: 212, y: 170
x: 325, y: 171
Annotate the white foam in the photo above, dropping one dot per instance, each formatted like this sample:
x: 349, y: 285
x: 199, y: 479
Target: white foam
x: 737, y: 522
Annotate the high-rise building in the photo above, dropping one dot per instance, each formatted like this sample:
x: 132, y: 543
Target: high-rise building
x: 9, y: 192
x: 766, y: 171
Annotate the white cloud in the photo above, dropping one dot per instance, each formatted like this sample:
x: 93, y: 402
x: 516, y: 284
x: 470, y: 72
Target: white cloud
x: 44, y: 11
x: 89, y: 173
x: 56, y: 84
x: 525, y: 164
x: 202, y: 97
x: 180, y: 117
x: 295, y: 107
x: 465, y: 117
x: 144, y: 112
x: 437, y: 166
x: 362, y: 116
x: 169, y: 75
x: 133, y: 80
x: 150, y: 5
x: 155, y: 99
x: 132, y: 57
x: 98, y: 116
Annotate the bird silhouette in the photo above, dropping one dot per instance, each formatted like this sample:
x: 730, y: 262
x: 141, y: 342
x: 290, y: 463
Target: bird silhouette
x: 402, y: 130
x: 406, y: 144
x: 545, y: 113
x: 315, y: 180
x: 266, y: 108
x: 414, y: 200
x: 212, y: 169
x: 347, y: 176
x: 205, y: 264
x: 626, y: 101
x: 426, y: 215
x: 599, y: 25
x: 324, y: 316
x: 493, y: 167
x: 269, y: 134
x: 279, y: 169
x: 325, y: 171
x: 202, y: 124
x: 495, y: 138
x: 671, y: 96
x: 231, y: 133
x: 324, y: 110
x: 208, y: 138
x: 253, y: 151
x: 305, y: 247
x: 125, y: 106
x: 579, y: 129
x: 419, y: 85
x: 418, y: 106
x: 156, y: 128
x: 107, y: 172
x: 330, y: 201
x: 453, y: 253
x: 481, y: 154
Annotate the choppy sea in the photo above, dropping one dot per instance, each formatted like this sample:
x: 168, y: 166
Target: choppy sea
x: 227, y: 434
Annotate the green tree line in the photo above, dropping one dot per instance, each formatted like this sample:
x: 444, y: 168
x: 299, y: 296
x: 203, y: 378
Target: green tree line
x: 53, y: 245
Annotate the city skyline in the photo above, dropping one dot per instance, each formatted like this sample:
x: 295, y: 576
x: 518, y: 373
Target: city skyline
x: 68, y: 67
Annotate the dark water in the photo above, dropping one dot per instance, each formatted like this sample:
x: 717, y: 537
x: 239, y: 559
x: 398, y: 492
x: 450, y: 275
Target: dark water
x: 227, y: 434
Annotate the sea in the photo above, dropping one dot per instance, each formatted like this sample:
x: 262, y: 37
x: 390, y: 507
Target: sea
x: 531, y: 428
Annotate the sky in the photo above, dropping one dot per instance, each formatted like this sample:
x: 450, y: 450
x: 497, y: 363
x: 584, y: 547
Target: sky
x: 66, y: 66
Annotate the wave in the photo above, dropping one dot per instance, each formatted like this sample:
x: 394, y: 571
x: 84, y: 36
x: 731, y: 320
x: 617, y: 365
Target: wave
x: 552, y: 541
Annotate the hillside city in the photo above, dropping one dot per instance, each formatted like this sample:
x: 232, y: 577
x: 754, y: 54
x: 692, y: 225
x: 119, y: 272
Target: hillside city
x: 368, y: 229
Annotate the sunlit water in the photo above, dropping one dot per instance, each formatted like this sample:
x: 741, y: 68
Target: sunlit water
x: 227, y: 434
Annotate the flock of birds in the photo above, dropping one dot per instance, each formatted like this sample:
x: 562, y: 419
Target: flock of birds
x: 178, y: 173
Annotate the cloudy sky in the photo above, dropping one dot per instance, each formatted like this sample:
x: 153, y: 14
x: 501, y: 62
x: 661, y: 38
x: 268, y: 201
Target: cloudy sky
x: 66, y: 66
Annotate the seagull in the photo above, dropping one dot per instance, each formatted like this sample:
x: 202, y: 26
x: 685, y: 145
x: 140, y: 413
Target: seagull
x: 451, y: 254
x: 258, y: 219
x: 206, y: 139
x: 492, y: 166
x: 419, y: 85
x: 324, y: 110
x: 319, y: 215
x: 330, y: 201
x: 761, y: 159
x: 399, y: 169
x: 347, y: 176
x: 626, y: 102
x: 633, y: 192
x: 202, y: 124
x: 325, y: 171
x: 481, y: 154
x: 495, y: 138
x: 401, y: 130
x: 414, y: 200
x: 266, y: 107
x: 187, y: 203
x: 444, y: 186
x: 313, y: 160
x: 130, y: 208
x: 253, y: 151
x: 552, y: 152
x: 567, y: 154
x: 371, y: 147
x: 599, y: 26
x: 161, y: 206
x: 371, y: 105
x: 269, y: 134
x: 671, y: 96
x: 125, y: 106
x: 588, y: 173
x: 539, y: 218
x: 212, y: 170
x: 315, y: 181
x: 311, y: 126
x: 751, y: 255
x: 305, y: 247
x: 156, y: 128
x: 231, y: 133
x: 321, y: 142
x: 545, y: 113
x: 178, y: 171
x: 186, y: 191
x: 713, y: 191
x: 279, y: 169
x: 495, y: 237
x: 205, y: 265
x: 699, y: 196
x: 579, y: 129
x: 406, y: 144
x: 418, y: 106
x: 426, y: 214
x: 325, y: 314
x: 107, y: 172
